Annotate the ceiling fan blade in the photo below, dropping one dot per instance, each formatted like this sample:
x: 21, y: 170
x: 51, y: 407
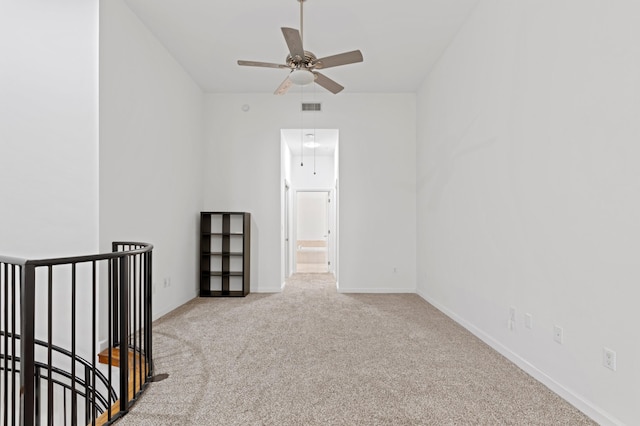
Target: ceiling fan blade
x: 284, y: 87
x: 261, y: 64
x: 339, y: 59
x: 327, y: 83
x: 294, y: 42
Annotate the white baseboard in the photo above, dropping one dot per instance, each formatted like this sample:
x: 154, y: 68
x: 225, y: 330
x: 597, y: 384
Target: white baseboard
x: 268, y: 289
x: 378, y: 290
x: 102, y: 345
x: 587, y: 407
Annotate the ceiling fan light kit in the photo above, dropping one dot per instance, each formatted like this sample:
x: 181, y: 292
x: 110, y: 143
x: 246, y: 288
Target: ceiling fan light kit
x: 303, y: 64
x: 302, y: 77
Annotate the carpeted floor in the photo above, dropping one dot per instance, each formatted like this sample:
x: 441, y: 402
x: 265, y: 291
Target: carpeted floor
x: 312, y: 356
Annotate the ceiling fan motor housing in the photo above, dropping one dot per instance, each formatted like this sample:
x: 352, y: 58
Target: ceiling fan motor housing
x: 307, y: 62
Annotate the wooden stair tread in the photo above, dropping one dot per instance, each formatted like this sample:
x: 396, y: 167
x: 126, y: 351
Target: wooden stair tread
x: 103, y: 357
x: 134, y: 359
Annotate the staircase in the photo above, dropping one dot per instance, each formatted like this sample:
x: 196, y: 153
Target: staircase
x: 137, y: 378
x: 51, y: 373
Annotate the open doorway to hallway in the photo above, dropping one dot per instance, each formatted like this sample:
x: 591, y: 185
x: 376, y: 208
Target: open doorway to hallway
x: 309, y: 191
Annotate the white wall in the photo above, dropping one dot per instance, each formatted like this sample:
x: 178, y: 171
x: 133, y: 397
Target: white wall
x: 151, y: 138
x: 528, y: 191
x: 49, y: 148
x: 377, y: 180
x: 303, y: 177
x: 49, y: 145
x: 48, y: 128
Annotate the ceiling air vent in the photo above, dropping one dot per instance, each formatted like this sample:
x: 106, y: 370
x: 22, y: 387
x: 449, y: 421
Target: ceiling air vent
x: 311, y: 106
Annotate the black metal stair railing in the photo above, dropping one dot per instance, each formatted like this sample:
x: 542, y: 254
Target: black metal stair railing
x: 85, y: 386
x: 55, y: 316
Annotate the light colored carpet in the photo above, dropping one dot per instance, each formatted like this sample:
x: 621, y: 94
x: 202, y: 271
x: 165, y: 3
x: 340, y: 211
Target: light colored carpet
x: 311, y: 356
x: 313, y: 268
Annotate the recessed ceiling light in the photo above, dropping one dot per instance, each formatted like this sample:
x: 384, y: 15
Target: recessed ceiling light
x: 311, y: 144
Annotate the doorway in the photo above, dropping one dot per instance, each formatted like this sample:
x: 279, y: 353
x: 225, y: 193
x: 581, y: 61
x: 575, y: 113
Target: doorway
x: 312, y: 231
x: 309, y: 173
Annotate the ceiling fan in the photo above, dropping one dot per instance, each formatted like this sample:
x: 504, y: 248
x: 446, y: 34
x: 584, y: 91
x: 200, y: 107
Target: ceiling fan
x: 303, y: 65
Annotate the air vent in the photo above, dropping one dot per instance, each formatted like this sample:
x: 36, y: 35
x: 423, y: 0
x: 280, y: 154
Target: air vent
x: 310, y: 106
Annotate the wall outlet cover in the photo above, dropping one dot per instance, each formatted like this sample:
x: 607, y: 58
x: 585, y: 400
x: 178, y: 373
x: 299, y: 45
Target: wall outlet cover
x: 558, y: 334
x: 528, y: 321
x: 609, y: 358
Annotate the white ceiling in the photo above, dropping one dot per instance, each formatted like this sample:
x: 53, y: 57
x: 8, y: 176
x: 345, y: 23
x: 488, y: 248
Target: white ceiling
x: 327, y: 139
x: 400, y: 40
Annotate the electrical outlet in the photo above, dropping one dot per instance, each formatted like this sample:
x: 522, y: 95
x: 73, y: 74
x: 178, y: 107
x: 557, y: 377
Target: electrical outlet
x: 609, y: 358
x: 528, y: 321
x: 557, y: 334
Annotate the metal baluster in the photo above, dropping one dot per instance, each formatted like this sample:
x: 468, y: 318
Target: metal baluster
x: 89, y: 413
x: 134, y: 324
x: 5, y: 329
x: 74, y: 397
x: 49, y: 349
x: 92, y: 411
x: 27, y: 367
x: 13, y: 341
x: 124, y: 327
x: 38, y: 393
x: 141, y: 330
x: 149, y: 312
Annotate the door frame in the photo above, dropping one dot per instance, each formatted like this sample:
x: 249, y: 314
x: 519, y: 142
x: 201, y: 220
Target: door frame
x: 287, y: 230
